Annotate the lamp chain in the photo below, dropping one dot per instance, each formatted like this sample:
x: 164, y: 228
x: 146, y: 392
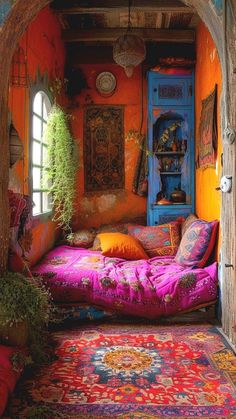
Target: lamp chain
x: 129, y: 17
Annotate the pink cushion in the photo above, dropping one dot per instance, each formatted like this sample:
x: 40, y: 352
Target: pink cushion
x: 161, y: 240
x: 197, y: 244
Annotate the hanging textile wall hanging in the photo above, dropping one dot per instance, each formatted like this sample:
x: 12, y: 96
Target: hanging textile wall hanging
x: 140, y: 185
x: 208, y: 131
x: 104, y: 148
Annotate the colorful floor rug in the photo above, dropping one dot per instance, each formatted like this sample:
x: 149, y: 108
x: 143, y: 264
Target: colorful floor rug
x: 133, y: 371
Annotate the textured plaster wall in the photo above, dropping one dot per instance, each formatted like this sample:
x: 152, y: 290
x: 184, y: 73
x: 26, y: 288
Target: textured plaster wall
x: 93, y: 209
x: 44, y: 51
x: 208, y: 73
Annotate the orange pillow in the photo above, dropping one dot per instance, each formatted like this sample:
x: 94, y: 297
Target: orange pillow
x: 121, y: 246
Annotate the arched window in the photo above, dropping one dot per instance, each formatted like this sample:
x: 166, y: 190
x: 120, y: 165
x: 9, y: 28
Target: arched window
x: 40, y: 109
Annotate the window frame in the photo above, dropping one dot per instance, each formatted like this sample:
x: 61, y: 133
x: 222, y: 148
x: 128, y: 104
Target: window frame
x: 38, y: 88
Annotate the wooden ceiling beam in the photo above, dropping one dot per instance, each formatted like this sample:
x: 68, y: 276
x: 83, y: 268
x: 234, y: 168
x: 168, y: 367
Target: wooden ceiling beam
x: 111, y: 34
x: 120, y: 6
x: 83, y: 54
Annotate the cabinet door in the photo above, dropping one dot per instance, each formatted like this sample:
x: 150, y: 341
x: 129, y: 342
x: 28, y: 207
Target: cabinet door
x: 164, y: 215
x: 174, y: 91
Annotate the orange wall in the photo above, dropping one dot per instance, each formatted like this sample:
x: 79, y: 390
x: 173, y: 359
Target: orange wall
x: 93, y: 209
x: 208, y: 73
x: 44, y: 51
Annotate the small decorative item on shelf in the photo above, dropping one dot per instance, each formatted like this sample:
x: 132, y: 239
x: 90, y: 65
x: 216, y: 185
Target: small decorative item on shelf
x: 166, y: 164
x: 176, y: 165
x: 164, y: 201
x: 161, y: 199
x: 174, y: 146
x: 159, y: 196
x: 178, y: 196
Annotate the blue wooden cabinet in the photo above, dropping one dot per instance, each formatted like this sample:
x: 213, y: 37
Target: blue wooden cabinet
x: 171, y: 161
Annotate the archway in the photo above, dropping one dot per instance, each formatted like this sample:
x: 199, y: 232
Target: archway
x: 19, y: 18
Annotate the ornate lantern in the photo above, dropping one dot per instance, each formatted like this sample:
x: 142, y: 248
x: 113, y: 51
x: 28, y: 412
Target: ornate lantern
x: 16, y: 146
x: 129, y: 50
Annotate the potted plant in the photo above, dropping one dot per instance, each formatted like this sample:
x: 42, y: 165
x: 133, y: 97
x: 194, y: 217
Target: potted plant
x: 25, y: 308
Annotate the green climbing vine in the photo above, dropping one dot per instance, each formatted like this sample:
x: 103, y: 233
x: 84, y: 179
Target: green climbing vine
x: 59, y: 174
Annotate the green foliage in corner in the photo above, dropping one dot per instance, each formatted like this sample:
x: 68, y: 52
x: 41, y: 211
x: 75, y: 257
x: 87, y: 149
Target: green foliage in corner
x: 43, y: 412
x: 26, y: 300
x: 23, y: 299
x: 61, y: 166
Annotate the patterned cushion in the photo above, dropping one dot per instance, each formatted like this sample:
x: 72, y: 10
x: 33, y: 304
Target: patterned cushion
x: 197, y: 244
x: 82, y: 238
x: 113, y: 228
x: 161, y: 240
x: 187, y: 223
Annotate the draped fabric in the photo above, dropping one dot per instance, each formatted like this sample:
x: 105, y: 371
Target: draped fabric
x: 140, y: 183
x: 155, y: 187
x: 208, y: 131
x: 185, y: 170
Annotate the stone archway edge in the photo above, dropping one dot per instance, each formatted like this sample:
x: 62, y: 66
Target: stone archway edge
x: 21, y: 14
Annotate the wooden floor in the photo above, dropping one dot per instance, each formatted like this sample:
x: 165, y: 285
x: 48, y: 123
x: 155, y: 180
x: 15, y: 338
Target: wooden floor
x: 208, y: 314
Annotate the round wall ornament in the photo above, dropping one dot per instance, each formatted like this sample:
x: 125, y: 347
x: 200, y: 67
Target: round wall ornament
x: 106, y: 83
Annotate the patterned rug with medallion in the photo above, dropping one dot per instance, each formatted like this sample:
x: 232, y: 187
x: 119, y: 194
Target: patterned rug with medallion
x: 132, y: 371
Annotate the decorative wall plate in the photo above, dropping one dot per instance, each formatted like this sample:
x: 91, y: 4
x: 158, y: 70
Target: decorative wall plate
x: 106, y: 83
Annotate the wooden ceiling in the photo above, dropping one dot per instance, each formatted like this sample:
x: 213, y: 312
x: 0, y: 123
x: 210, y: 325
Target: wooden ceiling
x: 90, y: 24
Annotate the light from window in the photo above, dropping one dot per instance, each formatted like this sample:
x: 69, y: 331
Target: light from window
x: 41, y: 197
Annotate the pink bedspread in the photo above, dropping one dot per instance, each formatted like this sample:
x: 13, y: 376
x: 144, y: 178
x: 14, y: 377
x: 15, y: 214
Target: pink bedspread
x: 147, y: 288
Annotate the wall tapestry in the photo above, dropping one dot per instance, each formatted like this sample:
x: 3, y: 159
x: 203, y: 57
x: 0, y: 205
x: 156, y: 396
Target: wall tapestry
x: 208, y: 131
x: 104, y: 148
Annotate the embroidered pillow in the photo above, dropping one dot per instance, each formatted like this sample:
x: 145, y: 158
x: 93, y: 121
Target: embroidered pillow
x: 81, y: 238
x: 121, y: 246
x: 197, y: 244
x: 161, y: 240
x: 187, y: 223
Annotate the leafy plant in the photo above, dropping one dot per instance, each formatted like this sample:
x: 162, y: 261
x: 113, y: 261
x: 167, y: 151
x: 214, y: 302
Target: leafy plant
x: 61, y: 166
x: 139, y: 139
x: 43, y: 412
x: 19, y: 361
x: 166, y: 133
x: 26, y: 300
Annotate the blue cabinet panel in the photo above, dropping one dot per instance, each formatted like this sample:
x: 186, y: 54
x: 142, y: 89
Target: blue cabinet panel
x: 171, y: 142
x: 166, y: 90
x: 165, y: 214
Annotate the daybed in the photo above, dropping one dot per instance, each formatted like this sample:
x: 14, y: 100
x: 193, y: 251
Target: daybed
x: 155, y: 282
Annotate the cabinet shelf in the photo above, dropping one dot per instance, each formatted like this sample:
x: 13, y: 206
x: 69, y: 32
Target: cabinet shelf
x: 170, y: 173
x: 173, y: 206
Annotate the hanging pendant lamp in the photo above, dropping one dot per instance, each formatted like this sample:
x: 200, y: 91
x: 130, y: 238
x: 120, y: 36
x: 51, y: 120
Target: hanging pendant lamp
x: 129, y: 50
